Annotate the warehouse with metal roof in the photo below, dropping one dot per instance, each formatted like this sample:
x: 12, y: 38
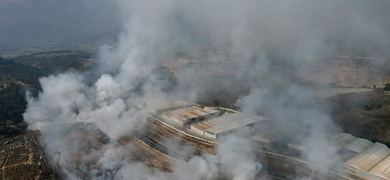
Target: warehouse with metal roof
x: 371, y: 160
x: 342, y: 139
x: 368, y: 159
x: 358, y: 145
x: 217, y: 131
x: 266, y: 137
x: 158, y: 107
x: 201, y: 127
x: 188, y: 115
x: 350, y: 145
x: 215, y: 127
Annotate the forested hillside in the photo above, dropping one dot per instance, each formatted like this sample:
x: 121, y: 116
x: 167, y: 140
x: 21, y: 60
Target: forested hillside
x: 21, y: 74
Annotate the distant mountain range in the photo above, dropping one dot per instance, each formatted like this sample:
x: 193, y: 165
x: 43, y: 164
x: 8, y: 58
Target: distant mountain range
x: 29, y: 32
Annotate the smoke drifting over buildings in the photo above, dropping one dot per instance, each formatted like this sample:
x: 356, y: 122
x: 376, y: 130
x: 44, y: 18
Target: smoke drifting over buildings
x: 267, y: 42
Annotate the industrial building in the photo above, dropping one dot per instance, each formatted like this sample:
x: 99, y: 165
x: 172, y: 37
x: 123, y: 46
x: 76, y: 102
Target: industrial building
x: 350, y: 143
x: 207, y: 122
x: 361, y: 156
x: 226, y: 124
x: 367, y: 159
x: 372, y: 162
x: 188, y: 115
x: 266, y: 138
x: 158, y: 107
x: 231, y: 127
x: 358, y: 145
x: 342, y: 139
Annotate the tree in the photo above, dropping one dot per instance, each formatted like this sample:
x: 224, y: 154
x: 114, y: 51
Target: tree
x: 387, y: 87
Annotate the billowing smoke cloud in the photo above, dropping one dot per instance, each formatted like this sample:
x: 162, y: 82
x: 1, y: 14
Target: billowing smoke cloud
x: 266, y: 44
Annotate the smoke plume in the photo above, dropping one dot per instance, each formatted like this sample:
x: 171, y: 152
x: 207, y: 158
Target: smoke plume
x: 263, y: 44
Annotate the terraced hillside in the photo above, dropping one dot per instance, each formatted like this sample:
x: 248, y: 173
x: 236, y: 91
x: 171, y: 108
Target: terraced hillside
x: 21, y: 158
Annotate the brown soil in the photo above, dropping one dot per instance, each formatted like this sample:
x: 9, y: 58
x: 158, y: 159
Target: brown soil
x: 21, y: 158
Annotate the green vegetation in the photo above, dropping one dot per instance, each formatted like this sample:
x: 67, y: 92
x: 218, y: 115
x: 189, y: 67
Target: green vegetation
x: 56, y: 61
x: 365, y: 115
x: 372, y: 106
x: 17, y: 73
x: 21, y: 74
x: 12, y: 106
x: 387, y: 87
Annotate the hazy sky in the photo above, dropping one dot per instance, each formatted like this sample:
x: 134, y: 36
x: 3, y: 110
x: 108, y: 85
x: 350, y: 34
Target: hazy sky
x: 269, y: 43
x: 80, y: 15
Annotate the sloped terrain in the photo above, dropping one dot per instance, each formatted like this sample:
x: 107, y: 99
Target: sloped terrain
x: 347, y: 72
x: 22, y: 158
x: 364, y: 115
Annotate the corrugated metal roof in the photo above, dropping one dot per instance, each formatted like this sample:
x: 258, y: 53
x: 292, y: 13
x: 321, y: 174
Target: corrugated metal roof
x: 343, y: 139
x: 198, y: 126
x: 207, y: 110
x: 382, y: 169
x: 267, y: 136
x: 221, y: 120
x: 209, y: 125
x: 193, y: 110
x: 188, y: 113
x: 214, y: 122
x: 234, y: 125
x: 217, y: 120
x: 370, y: 157
x: 235, y: 117
x: 161, y: 105
x: 358, y: 145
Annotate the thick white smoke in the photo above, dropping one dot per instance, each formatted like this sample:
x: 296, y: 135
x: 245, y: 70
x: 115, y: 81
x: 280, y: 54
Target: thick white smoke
x: 266, y: 42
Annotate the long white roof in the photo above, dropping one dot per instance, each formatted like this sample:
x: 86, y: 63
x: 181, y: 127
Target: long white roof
x: 162, y: 105
x: 189, y: 112
x: 343, y: 139
x: 370, y: 157
x: 234, y: 124
x: 358, y: 145
x: 382, y: 169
